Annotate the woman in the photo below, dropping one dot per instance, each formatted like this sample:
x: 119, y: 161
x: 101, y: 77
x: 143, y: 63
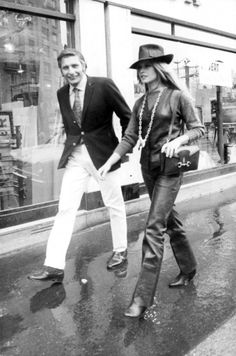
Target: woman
x: 149, y: 126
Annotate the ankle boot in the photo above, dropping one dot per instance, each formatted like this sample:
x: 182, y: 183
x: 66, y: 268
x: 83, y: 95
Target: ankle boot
x: 136, y: 309
x: 182, y: 279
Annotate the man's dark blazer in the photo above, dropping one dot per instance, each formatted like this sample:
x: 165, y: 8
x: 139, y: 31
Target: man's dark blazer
x: 102, y: 98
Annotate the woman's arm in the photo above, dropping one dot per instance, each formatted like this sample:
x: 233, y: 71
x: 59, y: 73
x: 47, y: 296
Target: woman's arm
x: 195, y: 129
x: 128, y: 141
x: 115, y: 157
x: 130, y: 137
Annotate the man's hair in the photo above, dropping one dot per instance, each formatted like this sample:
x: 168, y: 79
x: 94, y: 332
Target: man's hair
x: 67, y: 52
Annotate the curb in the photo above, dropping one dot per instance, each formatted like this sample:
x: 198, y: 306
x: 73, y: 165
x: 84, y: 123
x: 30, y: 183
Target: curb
x: 22, y: 236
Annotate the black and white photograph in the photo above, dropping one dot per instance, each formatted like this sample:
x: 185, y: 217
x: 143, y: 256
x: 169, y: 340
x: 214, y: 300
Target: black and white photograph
x: 117, y: 178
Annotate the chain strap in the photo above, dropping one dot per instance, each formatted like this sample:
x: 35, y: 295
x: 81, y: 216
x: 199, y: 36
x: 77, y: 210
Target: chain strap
x: 142, y: 141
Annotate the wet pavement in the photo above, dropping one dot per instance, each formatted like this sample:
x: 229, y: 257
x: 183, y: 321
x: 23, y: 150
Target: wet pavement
x: 84, y: 315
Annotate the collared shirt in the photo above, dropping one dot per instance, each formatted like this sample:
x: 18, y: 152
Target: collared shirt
x: 81, y: 86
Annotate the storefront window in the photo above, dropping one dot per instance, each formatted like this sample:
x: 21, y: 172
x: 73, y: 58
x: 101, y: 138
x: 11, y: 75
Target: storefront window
x: 151, y: 24
x: 53, y: 5
x: 193, y: 34
x: 202, y: 71
x: 31, y: 133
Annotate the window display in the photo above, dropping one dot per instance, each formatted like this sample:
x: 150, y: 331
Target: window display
x: 30, y: 123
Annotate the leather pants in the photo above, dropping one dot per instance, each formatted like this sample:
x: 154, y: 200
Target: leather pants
x: 162, y: 218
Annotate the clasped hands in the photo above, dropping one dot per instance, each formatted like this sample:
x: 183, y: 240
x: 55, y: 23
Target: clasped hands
x: 103, y: 170
x: 170, y: 148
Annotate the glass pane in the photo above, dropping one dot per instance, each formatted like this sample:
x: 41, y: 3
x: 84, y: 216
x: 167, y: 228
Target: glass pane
x: 52, y: 5
x: 149, y: 24
x: 31, y: 133
x: 196, y: 68
x: 204, y: 36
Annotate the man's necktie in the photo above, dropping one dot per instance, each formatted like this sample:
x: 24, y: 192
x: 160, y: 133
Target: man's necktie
x: 77, y: 107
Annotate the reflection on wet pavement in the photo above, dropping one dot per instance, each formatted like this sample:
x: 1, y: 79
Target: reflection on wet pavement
x: 50, y: 297
x: 217, y: 217
x: 84, y: 315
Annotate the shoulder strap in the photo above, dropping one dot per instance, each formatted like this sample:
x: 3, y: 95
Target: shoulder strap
x: 174, y: 101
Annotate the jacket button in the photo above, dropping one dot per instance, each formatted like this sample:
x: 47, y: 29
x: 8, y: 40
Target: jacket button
x: 82, y: 132
x: 74, y: 144
x: 74, y: 122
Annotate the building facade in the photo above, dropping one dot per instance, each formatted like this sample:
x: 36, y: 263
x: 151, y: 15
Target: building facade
x: 33, y: 32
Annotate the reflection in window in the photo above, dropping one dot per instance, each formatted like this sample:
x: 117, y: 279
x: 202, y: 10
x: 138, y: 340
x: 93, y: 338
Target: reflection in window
x: 53, y: 5
x: 150, y: 24
x: 30, y: 122
x: 54, y: 37
x: 183, y: 31
x: 201, y: 70
x: 45, y: 32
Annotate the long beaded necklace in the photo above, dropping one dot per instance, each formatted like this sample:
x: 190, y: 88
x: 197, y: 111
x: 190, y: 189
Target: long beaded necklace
x: 142, y: 141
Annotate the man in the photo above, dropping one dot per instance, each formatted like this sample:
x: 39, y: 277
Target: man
x: 87, y: 105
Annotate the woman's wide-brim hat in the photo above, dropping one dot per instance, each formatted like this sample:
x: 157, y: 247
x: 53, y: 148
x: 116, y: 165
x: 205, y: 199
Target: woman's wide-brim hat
x: 152, y: 52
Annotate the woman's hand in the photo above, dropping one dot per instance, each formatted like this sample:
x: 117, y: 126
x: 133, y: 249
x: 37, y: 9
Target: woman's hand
x: 171, y: 148
x: 104, y: 170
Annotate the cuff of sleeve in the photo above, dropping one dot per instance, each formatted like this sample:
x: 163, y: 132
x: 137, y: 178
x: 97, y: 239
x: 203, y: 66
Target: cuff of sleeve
x: 121, y: 150
x: 191, y: 136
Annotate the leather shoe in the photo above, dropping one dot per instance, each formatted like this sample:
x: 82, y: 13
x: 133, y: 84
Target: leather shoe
x: 117, y: 259
x: 182, y: 279
x: 135, y: 310
x: 48, y: 274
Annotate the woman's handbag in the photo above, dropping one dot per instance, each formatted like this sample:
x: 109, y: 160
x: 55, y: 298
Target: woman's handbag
x: 185, y: 160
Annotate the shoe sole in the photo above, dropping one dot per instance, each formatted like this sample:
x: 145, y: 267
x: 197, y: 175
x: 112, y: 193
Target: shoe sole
x: 182, y: 285
x: 55, y: 280
x: 190, y: 279
x: 116, y: 266
x: 141, y: 316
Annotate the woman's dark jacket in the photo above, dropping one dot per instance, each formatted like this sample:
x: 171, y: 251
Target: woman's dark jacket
x: 186, y: 113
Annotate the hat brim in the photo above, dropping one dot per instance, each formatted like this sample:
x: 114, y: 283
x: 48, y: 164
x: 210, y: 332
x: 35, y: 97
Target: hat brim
x: 166, y: 59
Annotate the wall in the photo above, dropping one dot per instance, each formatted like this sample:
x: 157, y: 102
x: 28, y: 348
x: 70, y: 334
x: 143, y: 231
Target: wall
x: 209, y: 13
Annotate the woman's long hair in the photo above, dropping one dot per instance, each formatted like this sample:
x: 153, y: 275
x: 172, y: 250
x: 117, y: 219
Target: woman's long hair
x: 167, y: 77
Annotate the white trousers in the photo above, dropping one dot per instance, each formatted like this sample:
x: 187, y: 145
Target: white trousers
x: 75, y: 180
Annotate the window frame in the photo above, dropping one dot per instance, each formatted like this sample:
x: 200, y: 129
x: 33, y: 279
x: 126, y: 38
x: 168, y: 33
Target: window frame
x: 19, y: 215
x: 37, y: 11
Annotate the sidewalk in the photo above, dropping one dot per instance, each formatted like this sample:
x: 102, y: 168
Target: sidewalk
x: 22, y: 236
x: 84, y: 315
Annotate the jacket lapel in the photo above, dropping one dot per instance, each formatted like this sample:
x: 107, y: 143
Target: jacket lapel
x: 87, y: 95
x: 66, y: 97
